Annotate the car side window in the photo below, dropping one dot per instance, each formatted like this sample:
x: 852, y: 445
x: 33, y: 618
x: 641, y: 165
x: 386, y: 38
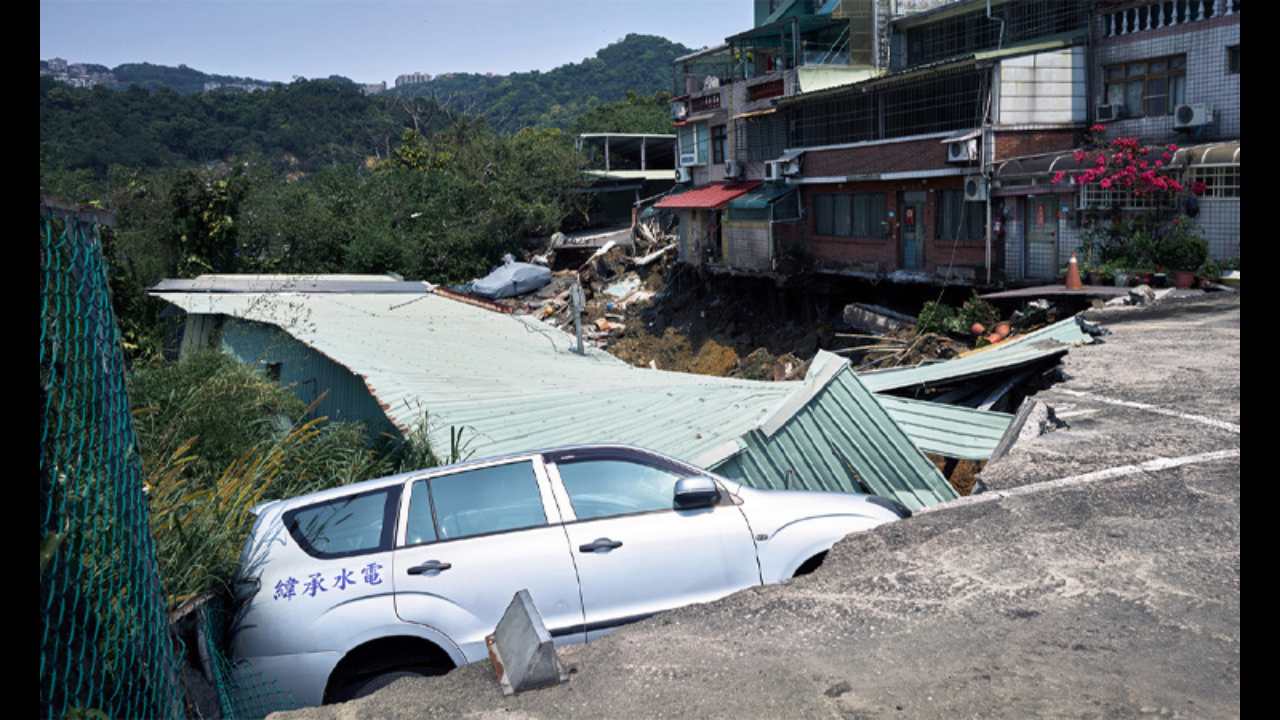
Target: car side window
x: 345, y: 526
x: 474, y: 502
x: 606, y: 487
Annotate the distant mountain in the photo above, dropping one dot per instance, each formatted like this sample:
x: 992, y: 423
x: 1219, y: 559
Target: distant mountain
x: 640, y: 64
x: 185, y: 80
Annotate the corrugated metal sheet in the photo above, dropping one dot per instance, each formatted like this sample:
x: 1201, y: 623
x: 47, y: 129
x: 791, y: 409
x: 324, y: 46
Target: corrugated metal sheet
x: 514, y: 384
x: 1055, y: 339
x: 948, y: 430
x: 713, y: 195
x: 841, y: 439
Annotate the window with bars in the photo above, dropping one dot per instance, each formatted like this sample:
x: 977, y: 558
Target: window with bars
x: 761, y: 139
x: 958, y: 219
x: 1010, y: 23
x: 948, y: 101
x: 1148, y: 87
x: 1093, y: 197
x: 1220, y: 181
x: 849, y: 214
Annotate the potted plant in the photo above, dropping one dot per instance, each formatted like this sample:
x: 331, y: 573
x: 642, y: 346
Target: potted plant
x: 1181, y: 249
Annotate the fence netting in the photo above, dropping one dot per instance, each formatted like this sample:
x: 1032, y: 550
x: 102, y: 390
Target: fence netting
x: 105, y: 646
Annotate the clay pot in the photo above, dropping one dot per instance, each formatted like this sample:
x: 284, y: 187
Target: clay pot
x: 977, y: 329
x: 1003, y: 329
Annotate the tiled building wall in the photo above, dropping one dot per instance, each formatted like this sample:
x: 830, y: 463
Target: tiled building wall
x: 1205, y: 44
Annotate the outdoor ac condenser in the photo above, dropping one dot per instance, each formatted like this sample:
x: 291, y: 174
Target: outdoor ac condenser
x: 1192, y: 116
x: 975, y: 188
x: 962, y: 151
x: 1108, y: 112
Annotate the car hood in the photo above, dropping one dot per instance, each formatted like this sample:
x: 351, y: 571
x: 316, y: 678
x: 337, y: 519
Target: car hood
x: 768, y: 511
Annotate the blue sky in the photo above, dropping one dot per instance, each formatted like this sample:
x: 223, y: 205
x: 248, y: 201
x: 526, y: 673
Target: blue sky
x: 371, y: 40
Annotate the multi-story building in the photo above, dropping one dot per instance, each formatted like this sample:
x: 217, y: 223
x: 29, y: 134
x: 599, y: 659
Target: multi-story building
x: 853, y: 140
x: 412, y: 79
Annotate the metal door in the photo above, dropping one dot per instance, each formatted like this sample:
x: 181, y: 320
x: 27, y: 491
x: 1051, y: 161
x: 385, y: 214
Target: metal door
x: 1042, y: 237
x: 912, y: 235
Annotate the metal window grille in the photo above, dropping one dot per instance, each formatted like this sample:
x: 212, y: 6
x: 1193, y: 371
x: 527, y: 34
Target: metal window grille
x: 948, y: 101
x: 958, y: 219
x: 1010, y: 23
x: 760, y: 139
x: 1221, y: 181
x: 850, y: 214
x: 1093, y: 197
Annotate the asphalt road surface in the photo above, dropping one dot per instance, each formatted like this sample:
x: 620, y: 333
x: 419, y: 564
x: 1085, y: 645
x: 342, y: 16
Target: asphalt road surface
x: 1098, y: 576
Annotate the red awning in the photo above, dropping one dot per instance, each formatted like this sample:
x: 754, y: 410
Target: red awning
x: 711, y: 196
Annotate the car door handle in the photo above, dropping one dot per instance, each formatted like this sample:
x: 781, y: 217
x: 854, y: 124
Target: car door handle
x: 429, y: 566
x: 599, y: 544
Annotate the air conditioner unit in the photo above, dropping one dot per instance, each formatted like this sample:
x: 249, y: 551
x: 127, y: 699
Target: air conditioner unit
x: 962, y: 151
x: 975, y: 188
x: 1192, y: 116
x: 683, y: 175
x: 732, y: 169
x: 1108, y: 112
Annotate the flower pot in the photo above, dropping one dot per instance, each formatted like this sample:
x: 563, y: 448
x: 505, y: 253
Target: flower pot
x: 1182, y: 279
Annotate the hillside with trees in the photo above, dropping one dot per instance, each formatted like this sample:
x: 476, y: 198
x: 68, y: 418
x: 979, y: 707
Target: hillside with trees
x: 315, y: 177
x: 640, y: 64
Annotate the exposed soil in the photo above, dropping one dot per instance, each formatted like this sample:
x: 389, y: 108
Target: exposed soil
x: 672, y: 316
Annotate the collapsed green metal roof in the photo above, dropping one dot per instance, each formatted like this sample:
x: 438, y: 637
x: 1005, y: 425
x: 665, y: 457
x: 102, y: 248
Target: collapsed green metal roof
x: 514, y: 384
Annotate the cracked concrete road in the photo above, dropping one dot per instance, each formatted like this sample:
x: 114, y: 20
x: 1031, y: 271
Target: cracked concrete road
x: 1098, y: 577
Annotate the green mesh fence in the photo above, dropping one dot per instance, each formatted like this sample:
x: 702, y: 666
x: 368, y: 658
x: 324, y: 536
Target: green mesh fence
x: 242, y: 691
x: 105, y: 645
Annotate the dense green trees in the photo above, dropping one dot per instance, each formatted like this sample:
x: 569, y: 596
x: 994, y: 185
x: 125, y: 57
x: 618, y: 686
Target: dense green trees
x: 639, y: 64
x: 315, y: 177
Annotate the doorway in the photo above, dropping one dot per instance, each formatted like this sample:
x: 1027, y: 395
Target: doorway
x: 1042, y: 236
x: 913, y: 232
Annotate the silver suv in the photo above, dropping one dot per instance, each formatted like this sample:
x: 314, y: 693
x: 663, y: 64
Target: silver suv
x: 341, y: 588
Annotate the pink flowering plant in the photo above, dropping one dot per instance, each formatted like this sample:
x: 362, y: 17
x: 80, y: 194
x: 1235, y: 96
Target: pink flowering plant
x: 1127, y: 166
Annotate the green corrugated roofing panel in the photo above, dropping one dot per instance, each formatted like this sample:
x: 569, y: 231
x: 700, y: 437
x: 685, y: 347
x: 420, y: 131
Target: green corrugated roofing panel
x: 761, y: 197
x: 948, y: 430
x: 841, y: 431
x: 1046, y: 342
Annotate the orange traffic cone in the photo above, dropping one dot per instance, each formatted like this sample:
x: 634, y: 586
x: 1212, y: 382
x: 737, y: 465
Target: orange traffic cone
x: 1073, y: 275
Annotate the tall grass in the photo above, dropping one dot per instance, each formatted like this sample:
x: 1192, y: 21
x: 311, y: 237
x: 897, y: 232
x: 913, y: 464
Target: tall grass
x: 217, y: 439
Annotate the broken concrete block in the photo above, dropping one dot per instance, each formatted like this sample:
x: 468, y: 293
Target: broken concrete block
x: 1142, y: 295
x: 521, y: 649
x: 874, y: 319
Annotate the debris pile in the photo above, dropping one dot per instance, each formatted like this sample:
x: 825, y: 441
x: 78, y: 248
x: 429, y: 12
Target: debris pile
x: 641, y: 305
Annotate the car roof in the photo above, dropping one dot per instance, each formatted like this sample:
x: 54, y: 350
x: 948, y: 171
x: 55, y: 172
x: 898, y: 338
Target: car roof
x: 376, y: 483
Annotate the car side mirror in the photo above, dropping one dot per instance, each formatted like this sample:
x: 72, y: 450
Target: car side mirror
x: 696, y: 491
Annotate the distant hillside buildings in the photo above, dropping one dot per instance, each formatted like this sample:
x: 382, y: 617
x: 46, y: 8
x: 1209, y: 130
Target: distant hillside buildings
x: 412, y: 79
x: 76, y: 74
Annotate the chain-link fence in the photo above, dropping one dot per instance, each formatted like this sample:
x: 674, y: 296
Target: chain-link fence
x: 105, y: 645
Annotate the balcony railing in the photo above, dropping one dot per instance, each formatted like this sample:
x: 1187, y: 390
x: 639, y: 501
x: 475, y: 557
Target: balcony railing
x: 1165, y: 14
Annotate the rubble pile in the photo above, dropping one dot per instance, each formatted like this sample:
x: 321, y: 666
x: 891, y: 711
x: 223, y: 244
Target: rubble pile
x: 648, y: 310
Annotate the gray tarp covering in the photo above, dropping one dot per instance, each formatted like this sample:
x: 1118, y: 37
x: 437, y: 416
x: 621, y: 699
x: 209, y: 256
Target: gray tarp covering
x: 513, y: 278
